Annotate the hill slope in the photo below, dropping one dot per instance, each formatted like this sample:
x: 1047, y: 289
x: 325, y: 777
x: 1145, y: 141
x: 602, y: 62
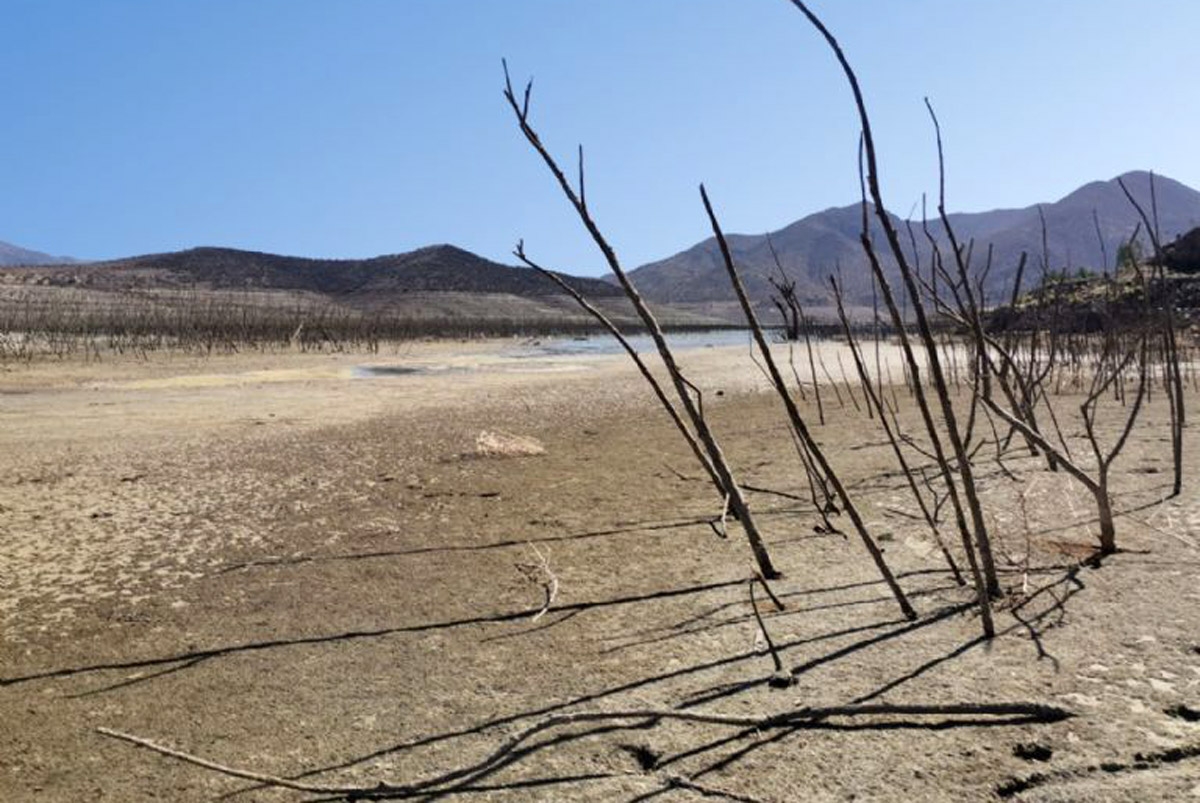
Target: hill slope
x: 440, y: 268
x: 16, y: 255
x: 435, y: 284
x: 815, y: 246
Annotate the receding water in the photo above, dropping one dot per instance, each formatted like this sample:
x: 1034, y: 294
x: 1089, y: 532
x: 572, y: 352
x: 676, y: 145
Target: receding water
x: 526, y: 355
x: 607, y: 344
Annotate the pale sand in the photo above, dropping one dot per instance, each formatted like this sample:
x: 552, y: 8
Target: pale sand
x: 80, y: 520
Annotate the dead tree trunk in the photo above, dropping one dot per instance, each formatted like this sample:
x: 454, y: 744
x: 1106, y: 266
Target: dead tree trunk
x: 986, y: 584
x: 1171, y: 351
x: 797, y: 421
x: 734, y: 499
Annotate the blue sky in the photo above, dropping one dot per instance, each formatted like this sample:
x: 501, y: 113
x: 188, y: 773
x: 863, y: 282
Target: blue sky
x: 350, y: 128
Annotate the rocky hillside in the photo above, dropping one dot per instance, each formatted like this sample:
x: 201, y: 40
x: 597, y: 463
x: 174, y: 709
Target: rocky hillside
x: 815, y: 246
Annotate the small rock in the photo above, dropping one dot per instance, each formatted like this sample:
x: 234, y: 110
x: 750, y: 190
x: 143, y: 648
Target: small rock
x: 1081, y: 699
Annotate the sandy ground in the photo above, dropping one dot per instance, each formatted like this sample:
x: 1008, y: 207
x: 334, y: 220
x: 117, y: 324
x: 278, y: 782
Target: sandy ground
x: 278, y: 562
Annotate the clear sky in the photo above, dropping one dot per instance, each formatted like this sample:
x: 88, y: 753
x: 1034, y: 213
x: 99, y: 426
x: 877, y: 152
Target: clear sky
x: 351, y: 128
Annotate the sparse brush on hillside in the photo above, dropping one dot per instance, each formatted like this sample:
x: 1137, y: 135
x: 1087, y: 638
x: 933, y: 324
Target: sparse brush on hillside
x: 213, y: 300
x: 33, y: 327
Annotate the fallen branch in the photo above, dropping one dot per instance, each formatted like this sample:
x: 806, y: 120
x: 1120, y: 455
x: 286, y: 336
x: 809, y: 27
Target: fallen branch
x: 799, y: 717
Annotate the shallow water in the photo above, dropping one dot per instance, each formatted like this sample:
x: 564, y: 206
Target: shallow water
x: 540, y: 354
x: 607, y: 344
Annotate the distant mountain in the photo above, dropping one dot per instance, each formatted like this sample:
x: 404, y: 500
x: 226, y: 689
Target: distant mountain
x: 439, y: 268
x: 815, y: 246
x: 16, y: 255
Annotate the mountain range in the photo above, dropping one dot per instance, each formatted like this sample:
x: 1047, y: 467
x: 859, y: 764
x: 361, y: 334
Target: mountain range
x: 16, y: 255
x: 437, y: 268
x: 815, y: 246
x: 1084, y: 229
x: 438, y: 283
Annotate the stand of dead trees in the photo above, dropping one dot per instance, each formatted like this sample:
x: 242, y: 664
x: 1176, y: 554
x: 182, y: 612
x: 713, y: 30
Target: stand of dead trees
x: 940, y: 320
x: 980, y: 394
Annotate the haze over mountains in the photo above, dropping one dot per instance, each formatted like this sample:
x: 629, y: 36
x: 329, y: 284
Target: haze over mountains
x: 16, y: 255
x: 815, y: 246
x: 694, y: 279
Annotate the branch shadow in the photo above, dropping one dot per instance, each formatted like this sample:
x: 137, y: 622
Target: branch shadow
x: 623, y: 528
x: 434, y: 550
x: 747, y: 656
x: 196, y: 657
x: 729, y: 689
x: 724, y: 606
x: 1057, y: 606
x: 893, y: 629
x: 471, y: 782
x: 743, y: 619
x: 1069, y: 578
x: 761, y: 740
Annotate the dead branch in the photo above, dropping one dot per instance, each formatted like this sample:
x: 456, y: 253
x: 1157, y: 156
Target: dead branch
x: 799, y: 427
x: 691, y: 408
x: 874, y: 400
x: 986, y: 585
x: 1033, y: 712
x: 779, y: 606
x: 643, y: 369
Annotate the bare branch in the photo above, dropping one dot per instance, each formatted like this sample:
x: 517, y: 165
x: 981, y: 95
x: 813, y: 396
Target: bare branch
x: 1032, y: 712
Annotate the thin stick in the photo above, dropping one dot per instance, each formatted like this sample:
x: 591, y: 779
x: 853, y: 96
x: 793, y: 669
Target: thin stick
x: 643, y: 369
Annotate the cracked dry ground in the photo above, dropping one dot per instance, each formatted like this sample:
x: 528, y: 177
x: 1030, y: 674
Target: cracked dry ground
x: 320, y: 578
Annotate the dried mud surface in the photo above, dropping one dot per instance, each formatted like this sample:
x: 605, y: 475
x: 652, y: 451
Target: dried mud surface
x: 277, y: 564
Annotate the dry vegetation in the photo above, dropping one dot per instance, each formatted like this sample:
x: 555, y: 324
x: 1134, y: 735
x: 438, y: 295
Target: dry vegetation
x: 39, y: 321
